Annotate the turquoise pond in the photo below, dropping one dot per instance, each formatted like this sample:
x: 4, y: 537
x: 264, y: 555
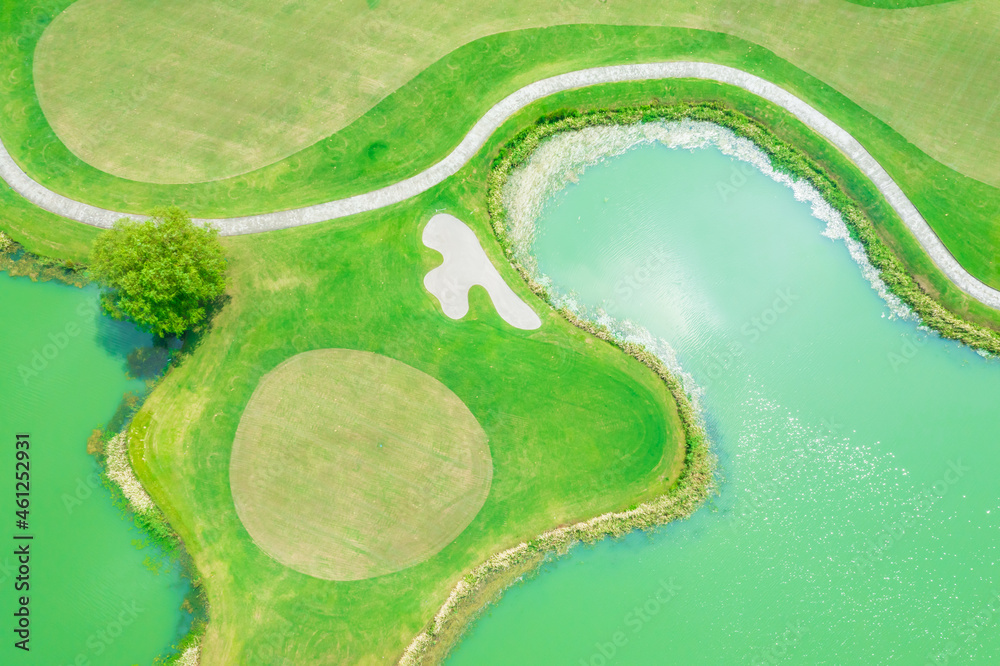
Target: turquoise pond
x: 858, y: 519
x: 98, y: 595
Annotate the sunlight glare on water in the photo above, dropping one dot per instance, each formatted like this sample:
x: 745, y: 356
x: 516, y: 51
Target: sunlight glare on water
x: 857, y: 519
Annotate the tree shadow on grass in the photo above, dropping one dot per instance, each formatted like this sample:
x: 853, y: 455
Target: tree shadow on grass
x: 193, y: 339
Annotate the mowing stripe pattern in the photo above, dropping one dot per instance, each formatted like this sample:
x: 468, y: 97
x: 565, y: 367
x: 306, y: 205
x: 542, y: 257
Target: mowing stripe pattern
x: 504, y: 109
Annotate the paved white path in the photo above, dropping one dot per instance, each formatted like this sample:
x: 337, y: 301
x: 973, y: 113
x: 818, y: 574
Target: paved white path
x: 501, y: 111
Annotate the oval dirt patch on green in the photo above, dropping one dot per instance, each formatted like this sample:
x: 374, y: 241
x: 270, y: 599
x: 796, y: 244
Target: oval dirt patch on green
x: 348, y: 465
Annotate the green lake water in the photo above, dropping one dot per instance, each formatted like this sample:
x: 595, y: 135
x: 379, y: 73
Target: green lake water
x: 858, y: 520
x: 96, y: 597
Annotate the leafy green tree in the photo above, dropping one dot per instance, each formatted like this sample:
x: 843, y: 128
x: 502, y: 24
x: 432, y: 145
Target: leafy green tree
x: 161, y: 273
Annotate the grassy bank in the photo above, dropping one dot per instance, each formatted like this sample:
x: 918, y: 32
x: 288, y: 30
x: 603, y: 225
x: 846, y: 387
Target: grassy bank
x: 487, y: 582
x: 784, y: 156
x: 357, y: 284
x: 17, y: 261
x: 110, y: 446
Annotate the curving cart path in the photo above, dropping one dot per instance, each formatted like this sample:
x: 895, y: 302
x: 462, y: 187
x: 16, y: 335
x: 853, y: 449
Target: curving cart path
x: 501, y: 111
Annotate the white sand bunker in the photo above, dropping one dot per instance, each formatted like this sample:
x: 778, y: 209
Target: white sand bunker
x: 466, y: 264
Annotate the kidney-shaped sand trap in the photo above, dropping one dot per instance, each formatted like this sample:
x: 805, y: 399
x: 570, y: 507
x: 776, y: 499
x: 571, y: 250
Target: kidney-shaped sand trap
x: 348, y: 465
x: 466, y: 264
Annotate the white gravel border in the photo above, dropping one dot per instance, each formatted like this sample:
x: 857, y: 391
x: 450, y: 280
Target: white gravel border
x: 504, y: 109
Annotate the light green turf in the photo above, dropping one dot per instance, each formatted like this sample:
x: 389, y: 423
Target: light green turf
x: 348, y: 465
x: 898, y: 4
x: 329, y: 286
x: 575, y: 427
x: 188, y: 91
x: 403, y: 133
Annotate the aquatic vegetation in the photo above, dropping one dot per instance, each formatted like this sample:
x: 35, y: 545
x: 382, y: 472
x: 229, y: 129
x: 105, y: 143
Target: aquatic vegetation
x: 120, y: 472
x: 845, y: 218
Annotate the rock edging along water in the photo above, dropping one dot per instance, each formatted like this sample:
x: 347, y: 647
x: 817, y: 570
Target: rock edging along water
x: 784, y: 157
x: 487, y: 581
x: 504, y: 109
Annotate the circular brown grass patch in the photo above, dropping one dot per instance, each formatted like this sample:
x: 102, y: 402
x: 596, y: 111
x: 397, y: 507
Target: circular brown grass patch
x: 348, y: 465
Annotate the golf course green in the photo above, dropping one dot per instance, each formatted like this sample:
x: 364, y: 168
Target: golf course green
x: 555, y: 461
x: 551, y: 434
x: 349, y: 465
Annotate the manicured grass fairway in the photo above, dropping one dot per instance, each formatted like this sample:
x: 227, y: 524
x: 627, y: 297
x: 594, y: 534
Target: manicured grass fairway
x: 348, y: 465
x: 404, y: 133
x: 575, y: 427
x: 186, y: 91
